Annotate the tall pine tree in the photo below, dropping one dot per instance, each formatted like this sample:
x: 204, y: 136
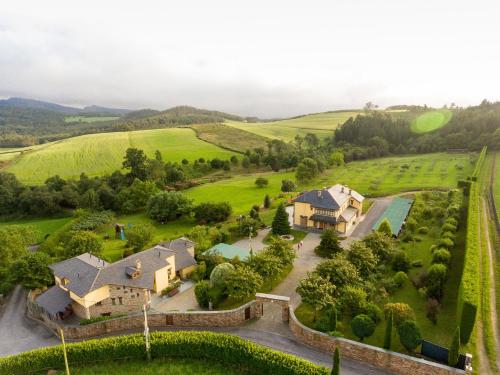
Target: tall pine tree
x: 388, y: 333
x: 336, y: 362
x: 453, y: 353
x: 329, y: 245
x: 281, y: 225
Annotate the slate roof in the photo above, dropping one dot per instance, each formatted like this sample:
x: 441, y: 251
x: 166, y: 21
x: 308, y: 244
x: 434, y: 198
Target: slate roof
x: 332, y: 198
x: 54, y: 300
x: 183, y: 259
x: 87, y: 272
x: 348, y: 214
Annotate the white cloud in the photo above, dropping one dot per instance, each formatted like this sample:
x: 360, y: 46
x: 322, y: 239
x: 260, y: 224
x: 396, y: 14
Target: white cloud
x: 266, y: 58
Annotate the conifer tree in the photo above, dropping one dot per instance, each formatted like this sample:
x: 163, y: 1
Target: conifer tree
x: 336, y: 362
x: 453, y: 353
x: 388, y: 333
x: 281, y: 225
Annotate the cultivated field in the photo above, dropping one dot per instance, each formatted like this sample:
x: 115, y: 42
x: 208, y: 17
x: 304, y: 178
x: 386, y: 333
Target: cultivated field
x: 97, y: 154
x: 90, y: 119
x: 321, y: 124
x: 430, y: 121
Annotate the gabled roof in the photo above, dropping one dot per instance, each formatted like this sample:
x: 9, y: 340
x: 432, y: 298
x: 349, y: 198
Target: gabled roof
x: 396, y: 214
x: 332, y: 198
x: 87, y: 272
x: 80, y: 271
x: 54, y: 300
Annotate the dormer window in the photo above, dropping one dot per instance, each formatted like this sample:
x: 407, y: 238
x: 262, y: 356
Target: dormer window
x: 64, y: 281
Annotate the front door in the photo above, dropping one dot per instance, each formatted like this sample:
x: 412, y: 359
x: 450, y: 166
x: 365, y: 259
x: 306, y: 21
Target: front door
x: 303, y: 221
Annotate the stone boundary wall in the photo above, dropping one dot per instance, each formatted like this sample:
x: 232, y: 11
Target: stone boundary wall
x: 225, y: 318
x: 397, y: 363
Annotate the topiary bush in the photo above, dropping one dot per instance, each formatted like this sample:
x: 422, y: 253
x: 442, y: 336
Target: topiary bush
x: 442, y: 256
x: 401, y: 261
x: 201, y: 292
x: 362, y: 326
x: 400, y: 278
x: 220, y: 273
x: 409, y: 335
x: 400, y: 312
x: 223, y: 348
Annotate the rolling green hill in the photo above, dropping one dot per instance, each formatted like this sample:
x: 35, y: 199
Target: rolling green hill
x: 97, y: 154
x: 321, y: 124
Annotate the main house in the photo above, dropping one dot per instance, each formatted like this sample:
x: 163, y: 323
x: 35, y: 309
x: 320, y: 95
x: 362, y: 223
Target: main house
x: 338, y: 207
x: 88, y: 286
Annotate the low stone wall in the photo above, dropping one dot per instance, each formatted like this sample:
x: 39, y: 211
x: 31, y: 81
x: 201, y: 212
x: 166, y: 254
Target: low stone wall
x: 385, y: 359
x: 226, y: 318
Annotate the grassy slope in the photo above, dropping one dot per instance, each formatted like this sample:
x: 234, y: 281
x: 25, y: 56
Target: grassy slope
x: 321, y: 124
x: 97, y: 154
x: 172, y: 366
x: 44, y: 226
x: 228, y: 137
x: 430, y: 121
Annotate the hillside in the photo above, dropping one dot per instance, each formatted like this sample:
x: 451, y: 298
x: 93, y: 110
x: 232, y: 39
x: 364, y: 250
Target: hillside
x: 321, y: 124
x: 97, y: 154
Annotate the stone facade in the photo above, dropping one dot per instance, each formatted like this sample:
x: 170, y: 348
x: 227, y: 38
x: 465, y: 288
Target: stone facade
x: 227, y: 318
x: 122, y: 299
x: 386, y: 359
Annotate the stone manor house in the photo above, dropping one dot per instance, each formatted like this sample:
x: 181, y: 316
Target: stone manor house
x: 88, y: 286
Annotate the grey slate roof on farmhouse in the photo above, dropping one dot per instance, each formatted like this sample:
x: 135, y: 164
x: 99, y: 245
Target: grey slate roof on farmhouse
x: 332, y: 198
x: 87, y: 272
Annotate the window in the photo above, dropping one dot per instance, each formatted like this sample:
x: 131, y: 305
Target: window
x: 352, y: 202
x: 137, y: 294
x: 132, y: 296
x: 324, y: 212
x: 120, y: 300
x: 113, y: 301
x: 118, y: 288
x: 98, y: 304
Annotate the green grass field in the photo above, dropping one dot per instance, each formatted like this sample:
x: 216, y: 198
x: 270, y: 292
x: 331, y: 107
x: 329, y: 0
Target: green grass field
x: 229, y: 137
x: 171, y: 366
x: 430, y: 121
x: 371, y: 177
x: 321, y: 124
x: 44, y: 226
x: 90, y: 119
x: 97, y: 154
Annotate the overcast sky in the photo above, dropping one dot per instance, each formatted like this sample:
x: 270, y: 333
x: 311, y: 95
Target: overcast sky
x: 266, y: 58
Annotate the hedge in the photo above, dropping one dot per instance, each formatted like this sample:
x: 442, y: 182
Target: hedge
x: 479, y: 163
x: 222, y: 348
x: 469, y: 292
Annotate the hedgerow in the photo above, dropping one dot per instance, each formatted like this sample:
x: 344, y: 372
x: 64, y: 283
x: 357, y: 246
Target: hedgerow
x: 469, y: 292
x: 222, y: 348
x: 479, y: 163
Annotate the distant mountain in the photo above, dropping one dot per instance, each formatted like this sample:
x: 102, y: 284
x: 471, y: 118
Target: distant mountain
x: 38, y: 104
x: 105, y: 110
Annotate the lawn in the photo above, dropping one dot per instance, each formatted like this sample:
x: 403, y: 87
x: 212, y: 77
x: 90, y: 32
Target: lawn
x: 321, y: 124
x: 45, y: 226
x: 375, y: 177
x: 496, y: 183
x: 97, y: 154
x: 90, y: 119
x: 440, y: 333
x: 430, y: 121
x: 113, y: 248
x: 171, y: 366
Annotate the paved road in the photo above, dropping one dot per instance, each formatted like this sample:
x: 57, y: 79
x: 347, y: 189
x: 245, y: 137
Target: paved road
x: 18, y: 333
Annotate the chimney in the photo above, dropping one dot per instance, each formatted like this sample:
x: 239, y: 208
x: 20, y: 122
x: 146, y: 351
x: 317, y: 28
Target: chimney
x: 342, y: 189
x: 350, y: 191
x: 138, y: 264
x: 319, y: 193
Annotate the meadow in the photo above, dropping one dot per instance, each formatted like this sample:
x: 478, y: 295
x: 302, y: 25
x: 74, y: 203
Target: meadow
x: 90, y: 119
x: 44, y: 226
x: 98, y: 154
x: 375, y: 177
x: 430, y: 121
x: 321, y: 124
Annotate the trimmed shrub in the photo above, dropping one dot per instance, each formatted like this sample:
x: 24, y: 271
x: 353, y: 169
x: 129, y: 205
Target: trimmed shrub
x: 220, y: 273
x: 388, y: 333
x: 201, y: 292
x: 453, y: 354
x: 442, y: 256
x: 223, y: 348
x: 409, y: 335
x: 446, y: 243
x: 436, y: 277
x: 423, y: 230
x: 400, y: 278
x: 373, y: 311
x: 362, y: 326
x: 449, y: 235
x: 401, y: 261
x: 400, y: 312
x: 448, y: 228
